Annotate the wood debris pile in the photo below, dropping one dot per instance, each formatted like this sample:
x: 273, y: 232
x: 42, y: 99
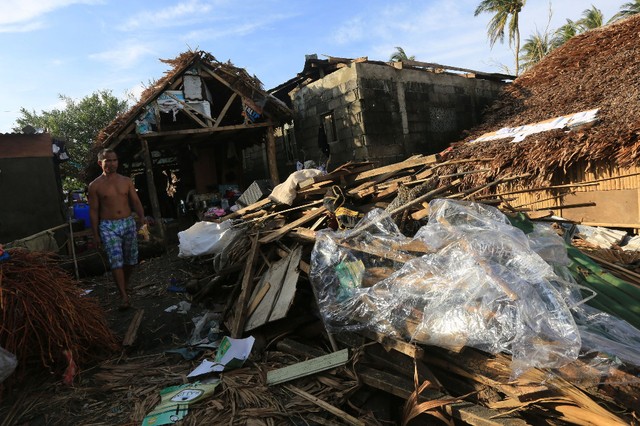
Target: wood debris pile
x: 268, y: 294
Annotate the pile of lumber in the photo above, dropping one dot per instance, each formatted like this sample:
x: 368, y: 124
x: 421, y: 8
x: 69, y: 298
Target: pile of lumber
x: 268, y: 294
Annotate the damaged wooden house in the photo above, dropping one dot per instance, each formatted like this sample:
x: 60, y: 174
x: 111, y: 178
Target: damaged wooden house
x: 184, y: 140
x: 565, y: 137
x: 384, y: 112
x: 30, y: 186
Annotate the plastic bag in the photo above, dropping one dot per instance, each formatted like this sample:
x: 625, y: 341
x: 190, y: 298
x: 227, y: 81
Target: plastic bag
x: 205, y: 238
x: 8, y: 363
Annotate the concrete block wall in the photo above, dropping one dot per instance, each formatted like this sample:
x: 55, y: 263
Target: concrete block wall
x: 339, y: 94
x: 383, y: 114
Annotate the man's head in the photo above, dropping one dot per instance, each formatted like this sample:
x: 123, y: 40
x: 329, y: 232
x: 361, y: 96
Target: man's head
x: 108, y: 160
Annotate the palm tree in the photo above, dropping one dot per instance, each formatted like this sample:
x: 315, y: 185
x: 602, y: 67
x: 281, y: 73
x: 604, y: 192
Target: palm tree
x: 400, y: 55
x: 564, y: 33
x: 627, y: 9
x: 502, y: 10
x: 535, y: 48
x: 591, y: 18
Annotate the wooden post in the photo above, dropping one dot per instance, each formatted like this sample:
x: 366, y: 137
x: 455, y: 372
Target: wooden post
x: 151, y: 186
x: 271, y: 156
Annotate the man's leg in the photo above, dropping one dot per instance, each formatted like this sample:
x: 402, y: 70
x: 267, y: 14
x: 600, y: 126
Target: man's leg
x: 119, y: 277
x: 128, y: 271
x: 129, y: 250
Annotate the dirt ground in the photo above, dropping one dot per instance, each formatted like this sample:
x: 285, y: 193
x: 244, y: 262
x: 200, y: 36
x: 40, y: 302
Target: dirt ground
x: 150, y: 292
x: 42, y: 399
x: 122, y: 388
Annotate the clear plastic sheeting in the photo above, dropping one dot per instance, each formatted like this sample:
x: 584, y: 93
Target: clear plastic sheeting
x: 467, y: 278
x: 614, y: 340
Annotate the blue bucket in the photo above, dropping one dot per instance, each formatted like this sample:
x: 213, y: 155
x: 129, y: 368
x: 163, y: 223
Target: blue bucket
x: 81, y: 212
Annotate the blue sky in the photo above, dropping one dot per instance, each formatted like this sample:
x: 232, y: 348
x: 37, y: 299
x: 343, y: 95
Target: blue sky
x: 76, y: 47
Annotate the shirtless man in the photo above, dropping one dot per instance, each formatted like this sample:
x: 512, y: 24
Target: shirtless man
x: 112, y: 198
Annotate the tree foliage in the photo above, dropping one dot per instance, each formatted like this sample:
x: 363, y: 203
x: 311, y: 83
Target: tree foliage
x: 565, y: 32
x: 626, y: 10
x: 78, y: 124
x: 535, y: 48
x: 591, y: 18
x: 505, y: 15
x: 400, y: 55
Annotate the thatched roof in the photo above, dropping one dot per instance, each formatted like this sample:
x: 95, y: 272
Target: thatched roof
x: 238, y: 78
x: 597, y: 69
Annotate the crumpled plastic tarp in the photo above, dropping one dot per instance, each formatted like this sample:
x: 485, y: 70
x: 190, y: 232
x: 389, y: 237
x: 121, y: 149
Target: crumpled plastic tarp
x: 205, y: 238
x: 467, y: 278
x: 615, y: 339
x: 8, y: 363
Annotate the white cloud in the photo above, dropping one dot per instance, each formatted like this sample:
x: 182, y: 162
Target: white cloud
x: 181, y: 14
x: 125, y: 56
x: 22, y: 28
x: 352, y: 30
x: 220, y: 32
x: 14, y: 12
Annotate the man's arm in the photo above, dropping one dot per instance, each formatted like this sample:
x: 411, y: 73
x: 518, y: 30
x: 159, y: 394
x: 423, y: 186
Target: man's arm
x: 136, y: 204
x: 94, y: 211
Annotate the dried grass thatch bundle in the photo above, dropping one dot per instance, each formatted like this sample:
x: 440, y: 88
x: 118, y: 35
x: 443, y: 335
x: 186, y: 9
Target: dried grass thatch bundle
x: 44, y: 316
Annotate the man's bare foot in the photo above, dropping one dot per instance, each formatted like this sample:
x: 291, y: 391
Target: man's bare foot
x: 126, y: 304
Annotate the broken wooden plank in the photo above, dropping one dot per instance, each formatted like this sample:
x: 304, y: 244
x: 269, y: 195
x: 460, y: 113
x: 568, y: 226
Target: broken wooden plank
x: 412, y: 162
x: 308, y: 367
x: 302, y: 265
x: 275, y: 277
x: 409, y: 349
x: 132, y: 331
x: 288, y: 227
x: 311, y: 204
x: 421, y: 214
x: 287, y: 290
x: 345, y: 417
x: 304, y: 235
x: 245, y: 291
x: 257, y: 298
x: 404, y: 387
x: 250, y: 208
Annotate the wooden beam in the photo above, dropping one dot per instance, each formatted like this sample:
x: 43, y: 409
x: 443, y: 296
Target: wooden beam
x: 220, y: 79
x: 126, y: 133
x: 208, y: 130
x: 271, y: 156
x: 132, y: 331
x: 151, y: 186
x: 187, y: 109
x: 224, y: 110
